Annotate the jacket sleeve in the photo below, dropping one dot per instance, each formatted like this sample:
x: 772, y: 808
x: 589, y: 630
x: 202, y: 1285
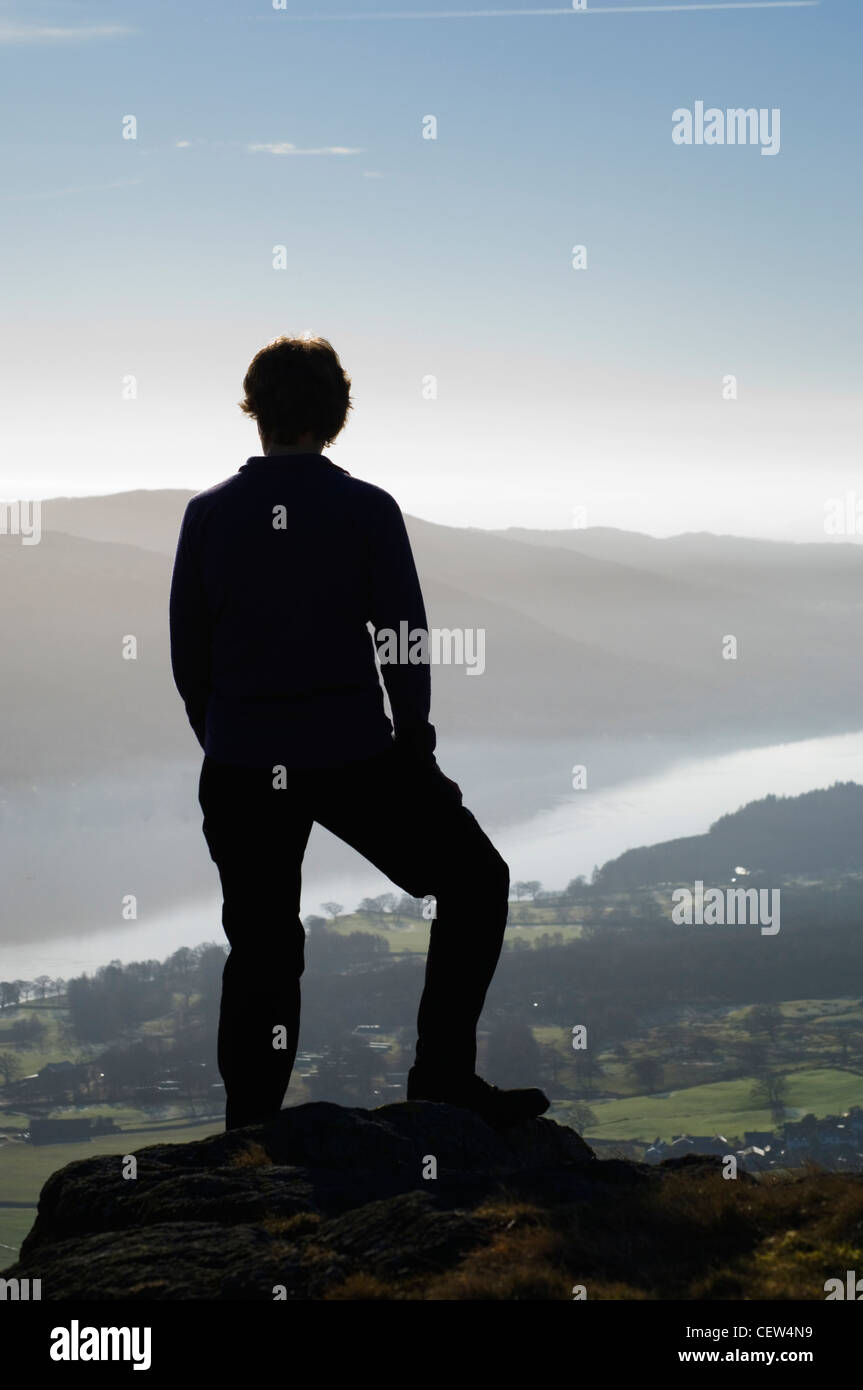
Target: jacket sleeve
x: 396, y: 599
x: 190, y: 631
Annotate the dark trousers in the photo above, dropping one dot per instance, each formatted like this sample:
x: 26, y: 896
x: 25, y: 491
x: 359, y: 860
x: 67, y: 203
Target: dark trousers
x: 410, y: 823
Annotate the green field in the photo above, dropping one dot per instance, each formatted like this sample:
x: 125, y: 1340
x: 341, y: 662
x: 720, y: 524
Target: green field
x: 14, y: 1225
x: 54, y: 1047
x: 414, y: 936
x: 24, y: 1168
x: 823, y: 1085
x: 720, y: 1107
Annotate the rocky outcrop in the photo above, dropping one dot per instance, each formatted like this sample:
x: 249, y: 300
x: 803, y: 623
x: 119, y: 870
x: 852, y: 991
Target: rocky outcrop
x: 425, y: 1201
x: 322, y: 1193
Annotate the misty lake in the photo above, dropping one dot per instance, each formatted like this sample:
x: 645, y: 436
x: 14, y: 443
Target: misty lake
x: 636, y: 794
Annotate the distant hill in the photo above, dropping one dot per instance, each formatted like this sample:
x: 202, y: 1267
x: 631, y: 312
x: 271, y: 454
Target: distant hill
x: 588, y: 633
x: 818, y: 832
x: 810, y: 572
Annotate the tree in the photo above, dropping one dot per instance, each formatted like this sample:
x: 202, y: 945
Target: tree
x: 10, y: 993
x: 765, y: 1018
x: 183, y: 965
x: 648, y: 1073
x: 346, y: 1074
x: 10, y: 1067
x: 211, y: 965
x: 332, y: 909
x: 752, y: 1056
x: 771, y: 1091
x: 128, y: 1067
x: 702, y: 1045
x: 551, y: 1061
x: 532, y: 886
x: 313, y: 923
x: 377, y: 907
x: 410, y: 907
x: 30, y: 1032
x: 581, y: 1117
x: 514, y: 1056
x: 587, y: 1066
x: 43, y: 984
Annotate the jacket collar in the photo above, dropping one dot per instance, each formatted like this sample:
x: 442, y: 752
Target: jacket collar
x: 292, y: 461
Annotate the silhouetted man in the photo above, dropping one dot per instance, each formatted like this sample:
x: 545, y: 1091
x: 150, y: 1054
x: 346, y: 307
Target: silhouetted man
x: 279, y: 571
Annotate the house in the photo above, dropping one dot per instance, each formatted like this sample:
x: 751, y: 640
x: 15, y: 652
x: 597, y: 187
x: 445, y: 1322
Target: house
x: 698, y: 1144
x: 758, y: 1138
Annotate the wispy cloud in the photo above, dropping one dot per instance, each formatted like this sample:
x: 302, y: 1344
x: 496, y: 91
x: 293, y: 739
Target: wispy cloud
x: 285, y: 147
x: 266, y: 147
x: 590, y: 10
x: 12, y: 33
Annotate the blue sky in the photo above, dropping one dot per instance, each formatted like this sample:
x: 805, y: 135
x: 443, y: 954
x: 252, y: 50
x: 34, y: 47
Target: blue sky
x: 599, y: 388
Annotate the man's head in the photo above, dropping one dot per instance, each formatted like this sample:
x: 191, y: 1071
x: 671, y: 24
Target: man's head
x: 298, y: 392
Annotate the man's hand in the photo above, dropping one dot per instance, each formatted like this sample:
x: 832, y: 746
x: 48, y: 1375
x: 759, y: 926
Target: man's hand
x: 453, y: 790
x: 426, y: 772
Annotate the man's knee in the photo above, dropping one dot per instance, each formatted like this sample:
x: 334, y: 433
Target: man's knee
x: 476, y: 871
x: 267, y: 965
x: 490, y: 876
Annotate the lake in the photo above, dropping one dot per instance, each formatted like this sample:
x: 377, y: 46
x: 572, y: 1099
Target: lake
x: 637, y: 794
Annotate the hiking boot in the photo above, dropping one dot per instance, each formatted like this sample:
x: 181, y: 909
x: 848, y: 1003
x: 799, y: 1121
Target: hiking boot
x: 495, y: 1106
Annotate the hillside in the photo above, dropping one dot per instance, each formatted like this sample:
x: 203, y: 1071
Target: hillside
x: 588, y: 633
x: 814, y: 834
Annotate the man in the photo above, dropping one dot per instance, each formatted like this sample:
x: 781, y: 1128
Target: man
x: 278, y: 573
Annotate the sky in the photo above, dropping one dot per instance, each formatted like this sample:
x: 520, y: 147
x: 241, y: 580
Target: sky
x: 494, y: 383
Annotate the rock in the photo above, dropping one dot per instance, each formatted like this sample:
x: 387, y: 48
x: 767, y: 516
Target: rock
x: 329, y: 1203
x: 321, y: 1193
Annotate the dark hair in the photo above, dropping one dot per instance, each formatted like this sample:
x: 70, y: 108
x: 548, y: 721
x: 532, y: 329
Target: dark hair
x: 296, y: 386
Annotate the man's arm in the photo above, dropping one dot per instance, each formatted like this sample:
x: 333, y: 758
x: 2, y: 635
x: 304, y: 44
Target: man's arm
x: 396, y: 598
x: 190, y: 632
